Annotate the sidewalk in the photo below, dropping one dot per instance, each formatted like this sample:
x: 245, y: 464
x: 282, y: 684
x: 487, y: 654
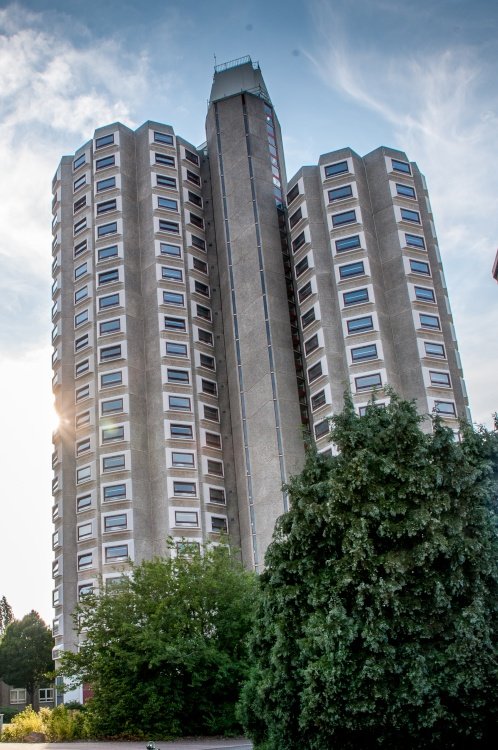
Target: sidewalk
x: 238, y: 743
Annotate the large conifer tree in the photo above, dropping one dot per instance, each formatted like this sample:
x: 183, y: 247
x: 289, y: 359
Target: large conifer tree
x: 378, y: 617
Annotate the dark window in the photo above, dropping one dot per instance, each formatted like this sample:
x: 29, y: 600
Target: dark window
x: 111, y: 300
x: 110, y: 352
x: 169, y: 226
x: 352, y: 269
x: 434, y: 350
x: 347, y: 243
x: 318, y: 400
x: 293, y: 193
x: 77, y: 184
x: 104, y: 140
x: 217, y: 495
x: 107, y: 161
x: 308, y: 317
x: 108, y: 252
x: 205, y: 336
x: 81, y: 203
x: 401, y: 166
x: 174, y: 250
x: 405, y: 190
x: 424, y: 295
x: 81, y: 343
x: 337, y: 194
x: 203, y: 312
x: 198, y: 242
x: 218, y: 524
x: 419, y: 266
x: 192, y: 177
x: 107, y: 277
x: 194, y: 198
x: 175, y: 324
x: 199, y: 265
x: 298, y: 242
x: 414, y: 240
x: 80, y: 248
x: 360, y: 324
x: 215, y: 467
x: 178, y: 376
x: 166, y: 159
x: 163, y: 180
x: 305, y: 292
x: 184, y: 431
x: 339, y: 167
x: 302, y: 266
x: 184, y: 488
x: 296, y: 216
x: 315, y: 372
x: 322, y: 429
x: 211, y: 413
x: 163, y: 138
x: 311, y: 344
x: 355, y: 296
x: 430, y: 321
x: 196, y: 220
x: 190, y: 156
x: 207, y: 361
x: 368, y: 381
x: 209, y: 386
x: 168, y: 203
x: 346, y: 217
x: 201, y: 288
x: 79, y: 226
x: 360, y: 353
x: 213, y: 440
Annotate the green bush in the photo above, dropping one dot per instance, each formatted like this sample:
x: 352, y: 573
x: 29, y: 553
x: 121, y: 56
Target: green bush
x: 8, y: 712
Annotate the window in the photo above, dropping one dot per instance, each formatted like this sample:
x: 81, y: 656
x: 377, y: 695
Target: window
x: 80, y: 294
x: 213, y: 440
x: 104, y: 253
x: 337, y: 194
x: 322, y: 429
x: 81, y: 343
x: 56, y: 597
x: 215, y: 467
x: 117, y: 553
x: 412, y: 216
x: 109, y: 407
x: 106, y: 206
x: 175, y: 349
x: 83, y: 502
x: 107, y: 161
x: 361, y: 353
x: 169, y: 226
x: 440, y: 379
x: 106, y: 229
x: 318, y: 400
x: 352, y: 269
x: 292, y: 194
x: 84, y: 531
x: 295, y: 218
x: 179, y: 403
x: 434, y: 350
x: 174, y: 250
x: 108, y: 379
x: 194, y: 198
x: 104, y: 140
x: 82, y: 419
x: 175, y: 324
x: 186, y: 518
x: 355, y: 296
x: 106, y: 184
x: 184, y: 431
x: 315, y: 372
x: 347, y: 243
x: 80, y: 248
x: 113, y: 463
x: 209, y: 387
x: 445, y: 407
x: 206, y: 361
x: 219, y: 524
x: 430, y: 321
x: 81, y: 367
x: 184, y: 488
x: 197, y: 221
x: 414, y: 240
x: 83, y: 446
x: 305, y: 291
x: 163, y: 180
x: 424, y: 295
x: 178, y: 376
x: 298, y: 242
x: 190, y: 156
x: 311, y: 344
x: 168, y: 203
x: 79, y: 183
x: 419, y: 266
x: 301, y: 267
x: 163, y: 138
x: 205, y: 336
x: 203, y: 312
x: 217, y: 495
x: 184, y: 460
x: 401, y: 166
x: 81, y: 203
x: 80, y: 271
x: 339, y: 167
x: 85, y: 590
x: 365, y: 382
x: 109, y: 326
x: 357, y: 325
x: 201, y: 288
x: 110, y: 352
x: 115, y: 523
x: 18, y: 695
x: 84, y: 474
x: 199, y: 265
x: 110, y: 300
x: 405, y: 190
x: 171, y: 274
x: 82, y: 393
x: 198, y: 242
x: 166, y: 159
x: 211, y: 413
x: 308, y: 317
x: 111, y: 434
x: 173, y: 298
x: 108, y: 277
x: 79, y: 161
x: 115, y: 492
x: 192, y: 177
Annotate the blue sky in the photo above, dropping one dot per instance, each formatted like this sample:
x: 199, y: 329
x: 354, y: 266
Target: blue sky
x: 360, y: 73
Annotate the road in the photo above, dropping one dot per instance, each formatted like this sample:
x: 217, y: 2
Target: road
x: 193, y: 744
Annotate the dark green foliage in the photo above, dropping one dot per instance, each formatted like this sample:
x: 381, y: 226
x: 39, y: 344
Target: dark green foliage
x: 26, y: 654
x: 8, y: 712
x: 166, y: 653
x: 6, y: 615
x: 377, y: 624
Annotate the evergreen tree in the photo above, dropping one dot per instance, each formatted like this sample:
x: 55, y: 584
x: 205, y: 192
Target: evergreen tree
x: 165, y: 652
x: 377, y: 623
x: 6, y: 615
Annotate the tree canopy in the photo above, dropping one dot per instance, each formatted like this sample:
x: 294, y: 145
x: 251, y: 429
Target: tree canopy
x: 165, y: 652
x: 377, y: 622
x: 26, y: 654
x: 6, y: 615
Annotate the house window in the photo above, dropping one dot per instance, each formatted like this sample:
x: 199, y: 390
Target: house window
x: 203, y: 312
x: 179, y: 403
x: 110, y: 326
x: 219, y: 524
x: 322, y: 429
x: 419, y: 266
x: 80, y: 248
x: 110, y: 352
x: 86, y: 589
x: 168, y: 203
x: 295, y: 218
x: 184, y: 488
x: 79, y: 226
x: 171, y: 274
x: 414, y: 240
x: 201, y: 288
x: 117, y: 553
x: 106, y: 161
x: 340, y: 167
x: 169, y: 226
x: 348, y: 243
x: 424, y: 295
x: 192, y: 177
x: 355, y: 297
x: 106, y: 229
x: 80, y: 271
x: 83, y: 502
x: 197, y: 221
x: 84, y: 531
x: 302, y: 266
x: 430, y: 321
x: 104, y: 253
x: 356, y: 325
x: 163, y: 180
x: 318, y: 400
x: 175, y: 349
x: 209, y: 386
x: 298, y: 242
x: 163, y: 138
x: 174, y: 324
x: 346, y: 217
x: 82, y: 393
x: 217, y: 495
x: 80, y: 203
x: 184, y: 460
x: 115, y: 523
x: 400, y: 166
x: 82, y: 419
x: 206, y: 361
x: 104, y: 140
x: 85, y: 560
x: 107, y: 184
x: 84, y: 474
x: 213, y: 440
x: 115, y: 492
x: 108, y: 379
x: 190, y: 156
x: 315, y: 372
x: 194, y: 198
x: 166, y: 159
x: 337, y: 194
x: 110, y: 434
x: 173, y: 250
x: 182, y: 431
x: 311, y: 344
x: 412, y: 216
x: 106, y: 206
x: 292, y: 194
x: 173, y: 298
x: 186, y: 518
x: 361, y: 353
x: 199, y: 265
x: 81, y: 368
x: 305, y: 291
x: 406, y: 191
x: 80, y: 343
x: 108, y: 277
x: 215, y: 467
x: 80, y: 294
x: 434, y: 350
x: 178, y: 376
x: 79, y: 161
x: 198, y: 242
x: 17, y: 696
x: 113, y: 463
x: 352, y: 269
x: 110, y: 300
x: 445, y: 407
x: 83, y: 446
x: 211, y: 413
x: 365, y: 382
x: 440, y: 379
x: 308, y: 317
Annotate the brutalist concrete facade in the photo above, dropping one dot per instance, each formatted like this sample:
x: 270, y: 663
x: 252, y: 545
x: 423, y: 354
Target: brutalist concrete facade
x: 206, y: 313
